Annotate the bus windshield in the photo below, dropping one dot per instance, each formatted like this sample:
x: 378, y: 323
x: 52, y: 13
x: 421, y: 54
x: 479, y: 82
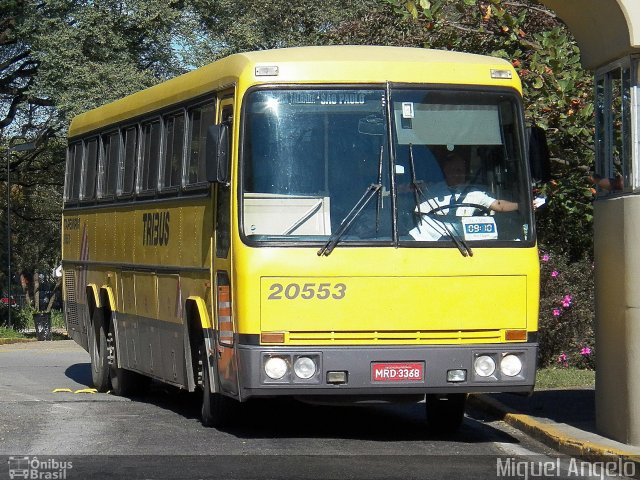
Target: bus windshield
x: 458, y: 169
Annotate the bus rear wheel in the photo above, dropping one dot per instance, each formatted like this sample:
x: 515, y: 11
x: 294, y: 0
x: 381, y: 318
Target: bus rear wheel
x: 445, y: 412
x: 217, y: 410
x: 99, y: 354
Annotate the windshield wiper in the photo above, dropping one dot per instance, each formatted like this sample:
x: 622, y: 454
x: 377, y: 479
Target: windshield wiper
x: 418, y: 196
x: 349, y: 218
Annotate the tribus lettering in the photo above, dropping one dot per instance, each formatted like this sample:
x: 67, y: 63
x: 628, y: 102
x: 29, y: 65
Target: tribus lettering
x: 155, y: 228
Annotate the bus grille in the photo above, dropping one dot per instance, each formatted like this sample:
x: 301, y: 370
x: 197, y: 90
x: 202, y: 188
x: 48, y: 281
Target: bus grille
x: 395, y: 337
x: 70, y: 304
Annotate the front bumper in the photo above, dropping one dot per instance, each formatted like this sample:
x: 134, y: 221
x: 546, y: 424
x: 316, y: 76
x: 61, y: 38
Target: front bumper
x: 357, y: 362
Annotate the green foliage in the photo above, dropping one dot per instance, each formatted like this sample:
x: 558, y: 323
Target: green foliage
x: 21, y: 318
x: 57, y: 319
x: 213, y: 29
x: 566, y: 312
x: 565, y: 224
x: 91, y: 53
x: 10, y: 333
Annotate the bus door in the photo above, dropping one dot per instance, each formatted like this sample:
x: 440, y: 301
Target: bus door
x: 225, y: 324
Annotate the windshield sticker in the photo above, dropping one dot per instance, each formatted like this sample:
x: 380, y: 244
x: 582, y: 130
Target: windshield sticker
x: 407, y: 110
x: 322, y: 98
x: 480, y: 228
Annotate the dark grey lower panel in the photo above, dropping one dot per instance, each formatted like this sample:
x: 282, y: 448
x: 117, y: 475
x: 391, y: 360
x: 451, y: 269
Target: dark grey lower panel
x: 358, y: 361
x: 151, y: 347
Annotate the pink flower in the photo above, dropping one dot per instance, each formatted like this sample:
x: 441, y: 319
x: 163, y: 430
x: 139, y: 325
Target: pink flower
x: 563, y: 359
x: 556, y: 312
x: 566, y: 301
x: 555, y: 273
x: 585, y: 351
x: 545, y: 258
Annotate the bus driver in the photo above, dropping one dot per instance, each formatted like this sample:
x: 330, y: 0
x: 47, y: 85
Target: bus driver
x: 453, y: 191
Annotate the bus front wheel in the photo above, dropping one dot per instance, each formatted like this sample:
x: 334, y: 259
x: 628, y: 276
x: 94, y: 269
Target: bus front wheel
x: 445, y: 412
x: 217, y: 410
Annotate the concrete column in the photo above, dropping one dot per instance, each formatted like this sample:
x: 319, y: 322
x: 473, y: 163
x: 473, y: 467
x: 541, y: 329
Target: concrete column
x: 617, y: 283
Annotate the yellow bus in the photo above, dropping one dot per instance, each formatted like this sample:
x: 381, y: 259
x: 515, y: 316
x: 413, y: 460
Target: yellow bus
x: 287, y: 223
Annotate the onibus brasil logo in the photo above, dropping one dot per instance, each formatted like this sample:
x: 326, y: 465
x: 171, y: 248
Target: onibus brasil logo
x: 35, y: 468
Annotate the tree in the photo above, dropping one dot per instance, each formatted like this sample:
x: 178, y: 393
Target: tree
x: 57, y: 59
x: 217, y: 28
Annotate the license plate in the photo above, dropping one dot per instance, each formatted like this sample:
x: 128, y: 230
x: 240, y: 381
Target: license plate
x: 397, y: 372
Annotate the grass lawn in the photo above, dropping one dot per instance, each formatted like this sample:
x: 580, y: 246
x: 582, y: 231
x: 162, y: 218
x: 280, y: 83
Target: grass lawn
x: 57, y: 321
x: 564, y: 378
x: 10, y: 333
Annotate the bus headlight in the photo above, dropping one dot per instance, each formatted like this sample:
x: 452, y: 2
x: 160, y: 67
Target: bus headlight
x: 275, y: 368
x: 484, y: 366
x: 511, y: 365
x: 304, y: 368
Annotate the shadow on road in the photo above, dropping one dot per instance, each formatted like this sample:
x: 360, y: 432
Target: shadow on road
x: 575, y: 407
x: 289, y: 418
x: 80, y: 373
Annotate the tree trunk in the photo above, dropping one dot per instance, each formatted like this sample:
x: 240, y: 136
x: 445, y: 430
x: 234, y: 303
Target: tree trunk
x: 57, y: 292
x: 25, y: 283
x: 36, y: 290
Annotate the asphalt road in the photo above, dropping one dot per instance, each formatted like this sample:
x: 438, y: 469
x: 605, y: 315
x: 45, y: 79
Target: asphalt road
x: 159, y: 435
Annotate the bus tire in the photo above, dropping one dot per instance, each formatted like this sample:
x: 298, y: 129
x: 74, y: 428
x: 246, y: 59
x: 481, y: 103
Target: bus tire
x: 98, y: 352
x: 124, y: 382
x: 445, y: 412
x: 217, y: 410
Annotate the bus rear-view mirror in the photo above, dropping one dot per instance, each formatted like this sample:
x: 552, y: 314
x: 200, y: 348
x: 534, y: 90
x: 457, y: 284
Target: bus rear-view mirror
x: 539, y: 156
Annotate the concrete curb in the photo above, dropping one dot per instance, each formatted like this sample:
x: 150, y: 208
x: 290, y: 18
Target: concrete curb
x: 561, y: 437
x: 8, y: 341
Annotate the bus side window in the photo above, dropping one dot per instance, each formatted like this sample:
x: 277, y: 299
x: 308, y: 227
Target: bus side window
x: 74, y: 165
x: 150, y: 157
x: 173, y: 151
x: 128, y: 161
x: 200, y: 119
x: 108, y: 168
x: 89, y: 167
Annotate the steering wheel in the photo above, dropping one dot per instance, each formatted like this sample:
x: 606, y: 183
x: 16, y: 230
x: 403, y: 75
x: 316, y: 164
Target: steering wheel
x: 477, y: 206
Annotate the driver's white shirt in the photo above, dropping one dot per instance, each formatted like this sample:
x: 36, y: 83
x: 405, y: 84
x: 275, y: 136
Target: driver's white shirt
x: 431, y: 229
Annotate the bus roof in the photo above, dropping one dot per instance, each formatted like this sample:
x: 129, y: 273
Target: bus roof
x: 304, y: 65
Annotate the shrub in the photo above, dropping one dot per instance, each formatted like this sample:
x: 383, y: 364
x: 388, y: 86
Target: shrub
x: 21, y: 318
x: 566, y: 312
